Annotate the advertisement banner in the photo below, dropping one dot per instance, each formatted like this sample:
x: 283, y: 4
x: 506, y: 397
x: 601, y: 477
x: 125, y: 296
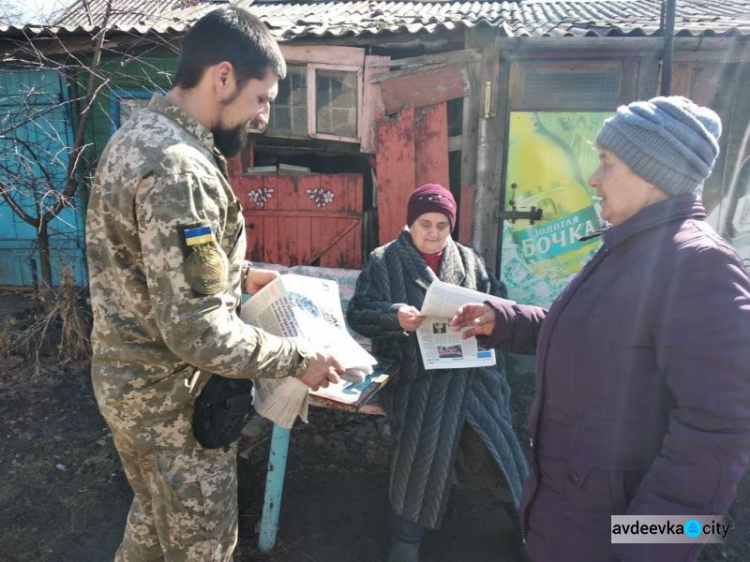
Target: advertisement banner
x: 551, y: 155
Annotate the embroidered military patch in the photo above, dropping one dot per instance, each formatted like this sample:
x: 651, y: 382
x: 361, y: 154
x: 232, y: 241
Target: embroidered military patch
x: 205, y: 266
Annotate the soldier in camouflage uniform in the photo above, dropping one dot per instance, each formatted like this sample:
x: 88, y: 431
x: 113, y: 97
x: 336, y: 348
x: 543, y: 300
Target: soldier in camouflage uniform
x: 166, y: 246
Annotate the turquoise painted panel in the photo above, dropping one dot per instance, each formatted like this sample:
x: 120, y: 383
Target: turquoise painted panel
x: 34, y: 155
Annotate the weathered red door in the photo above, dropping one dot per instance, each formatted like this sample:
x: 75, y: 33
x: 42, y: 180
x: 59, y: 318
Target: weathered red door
x: 412, y: 150
x: 313, y: 219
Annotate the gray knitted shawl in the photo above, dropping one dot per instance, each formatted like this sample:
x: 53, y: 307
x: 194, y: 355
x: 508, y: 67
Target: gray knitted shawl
x: 427, y: 409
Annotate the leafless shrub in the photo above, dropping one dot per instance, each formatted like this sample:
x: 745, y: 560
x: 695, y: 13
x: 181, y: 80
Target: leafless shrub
x: 58, y: 321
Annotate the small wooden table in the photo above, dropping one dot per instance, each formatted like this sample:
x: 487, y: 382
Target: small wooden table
x: 269, y: 522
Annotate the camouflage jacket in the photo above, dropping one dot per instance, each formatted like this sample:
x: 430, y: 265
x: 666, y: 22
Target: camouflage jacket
x: 165, y: 246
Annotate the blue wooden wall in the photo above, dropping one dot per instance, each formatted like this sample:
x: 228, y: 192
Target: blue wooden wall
x: 35, y: 136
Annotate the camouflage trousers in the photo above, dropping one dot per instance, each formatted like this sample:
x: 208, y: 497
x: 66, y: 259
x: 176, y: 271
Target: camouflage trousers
x: 185, y: 504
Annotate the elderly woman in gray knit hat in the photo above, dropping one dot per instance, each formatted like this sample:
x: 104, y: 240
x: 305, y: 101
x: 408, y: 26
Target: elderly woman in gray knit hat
x: 642, y: 403
x: 442, y: 421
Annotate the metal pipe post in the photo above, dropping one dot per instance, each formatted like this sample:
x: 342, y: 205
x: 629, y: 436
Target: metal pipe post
x: 269, y: 523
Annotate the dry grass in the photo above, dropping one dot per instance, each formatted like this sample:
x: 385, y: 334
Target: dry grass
x: 58, y: 321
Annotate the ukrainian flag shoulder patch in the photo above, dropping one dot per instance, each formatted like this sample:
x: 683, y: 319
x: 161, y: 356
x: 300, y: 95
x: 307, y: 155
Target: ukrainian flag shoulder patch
x: 198, y: 235
x: 205, y: 265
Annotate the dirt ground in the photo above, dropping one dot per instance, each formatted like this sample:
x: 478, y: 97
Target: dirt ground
x: 63, y: 496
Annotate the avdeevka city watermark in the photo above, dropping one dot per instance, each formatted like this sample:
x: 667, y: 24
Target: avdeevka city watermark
x: 669, y: 528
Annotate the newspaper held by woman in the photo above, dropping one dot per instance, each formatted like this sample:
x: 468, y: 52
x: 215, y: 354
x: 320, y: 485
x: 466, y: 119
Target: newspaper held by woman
x: 441, y: 347
x: 310, y: 308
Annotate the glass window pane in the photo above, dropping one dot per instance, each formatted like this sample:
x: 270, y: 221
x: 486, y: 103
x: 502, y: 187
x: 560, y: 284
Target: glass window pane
x: 289, y: 110
x: 336, y: 102
x: 558, y: 90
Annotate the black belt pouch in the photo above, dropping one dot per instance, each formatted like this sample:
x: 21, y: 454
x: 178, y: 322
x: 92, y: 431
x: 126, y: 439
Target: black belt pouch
x: 221, y: 410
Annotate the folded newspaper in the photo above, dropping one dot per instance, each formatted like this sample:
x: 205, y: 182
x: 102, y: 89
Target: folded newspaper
x: 298, y: 306
x: 441, y: 347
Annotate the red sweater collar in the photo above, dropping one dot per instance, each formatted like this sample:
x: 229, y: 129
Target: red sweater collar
x: 433, y: 260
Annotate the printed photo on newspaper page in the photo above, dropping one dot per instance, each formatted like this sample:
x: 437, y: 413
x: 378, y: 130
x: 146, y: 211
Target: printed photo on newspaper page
x: 441, y: 347
x: 309, y: 308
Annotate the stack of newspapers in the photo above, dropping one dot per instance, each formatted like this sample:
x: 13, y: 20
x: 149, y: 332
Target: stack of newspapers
x: 304, y: 307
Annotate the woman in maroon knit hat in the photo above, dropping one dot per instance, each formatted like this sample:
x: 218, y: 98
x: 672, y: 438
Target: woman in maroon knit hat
x: 441, y: 420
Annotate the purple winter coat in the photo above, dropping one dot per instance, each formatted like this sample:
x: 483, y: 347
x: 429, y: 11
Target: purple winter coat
x: 642, y: 386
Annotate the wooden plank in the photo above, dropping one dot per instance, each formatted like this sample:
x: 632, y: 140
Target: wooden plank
x: 727, y: 49
x: 490, y: 154
x: 234, y: 166
x: 431, y: 145
x: 339, y: 250
x: 628, y: 81
x: 705, y: 83
x: 648, y: 76
x: 239, y: 186
x: 267, y: 225
x: 469, y: 139
x: 410, y: 72
x: 272, y: 224
x: 289, y: 200
x: 395, y: 169
x: 307, y: 221
x: 355, y: 190
x: 425, y: 88
x: 305, y: 226
x: 344, y: 225
x: 372, y: 104
x: 681, y: 78
x: 318, y: 241
x: 309, y: 214
x: 466, y: 214
x: 357, y: 251
x: 325, y: 54
x: 451, y: 57
x: 254, y: 226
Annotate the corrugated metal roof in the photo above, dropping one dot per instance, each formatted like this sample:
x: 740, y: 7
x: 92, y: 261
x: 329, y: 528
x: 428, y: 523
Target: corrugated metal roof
x: 527, y: 18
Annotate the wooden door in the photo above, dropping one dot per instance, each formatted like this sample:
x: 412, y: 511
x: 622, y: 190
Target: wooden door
x: 312, y: 219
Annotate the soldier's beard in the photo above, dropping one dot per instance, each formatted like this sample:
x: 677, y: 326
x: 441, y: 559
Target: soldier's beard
x: 230, y: 141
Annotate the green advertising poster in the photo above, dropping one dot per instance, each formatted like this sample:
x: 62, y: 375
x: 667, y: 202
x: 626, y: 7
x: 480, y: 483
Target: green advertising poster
x: 551, y: 155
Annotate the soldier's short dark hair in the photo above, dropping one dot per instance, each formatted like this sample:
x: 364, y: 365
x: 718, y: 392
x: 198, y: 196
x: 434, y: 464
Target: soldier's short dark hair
x: 228, y: 34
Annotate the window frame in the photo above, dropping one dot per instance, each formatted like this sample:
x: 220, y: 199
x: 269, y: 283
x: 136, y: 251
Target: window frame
x: 336, y: 58
x: 520, y: 69
x: 302, y: 65
x: 312, y: 108
x: 117, y: 95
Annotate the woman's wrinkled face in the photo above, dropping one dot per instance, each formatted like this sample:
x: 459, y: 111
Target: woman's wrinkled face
x: 430, y: 232
x: 623, y: 193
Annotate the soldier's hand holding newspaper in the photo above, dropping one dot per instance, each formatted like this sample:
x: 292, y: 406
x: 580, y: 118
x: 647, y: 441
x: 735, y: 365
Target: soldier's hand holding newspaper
x: 258, y: 278
x: 322, y: 370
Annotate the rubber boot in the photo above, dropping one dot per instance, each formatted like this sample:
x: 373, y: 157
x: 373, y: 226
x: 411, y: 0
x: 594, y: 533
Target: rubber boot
x: 402, y: 551
x: 407, y: 536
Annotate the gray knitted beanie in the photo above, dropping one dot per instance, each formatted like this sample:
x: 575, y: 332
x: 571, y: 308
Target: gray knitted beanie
x: 670, y: 142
